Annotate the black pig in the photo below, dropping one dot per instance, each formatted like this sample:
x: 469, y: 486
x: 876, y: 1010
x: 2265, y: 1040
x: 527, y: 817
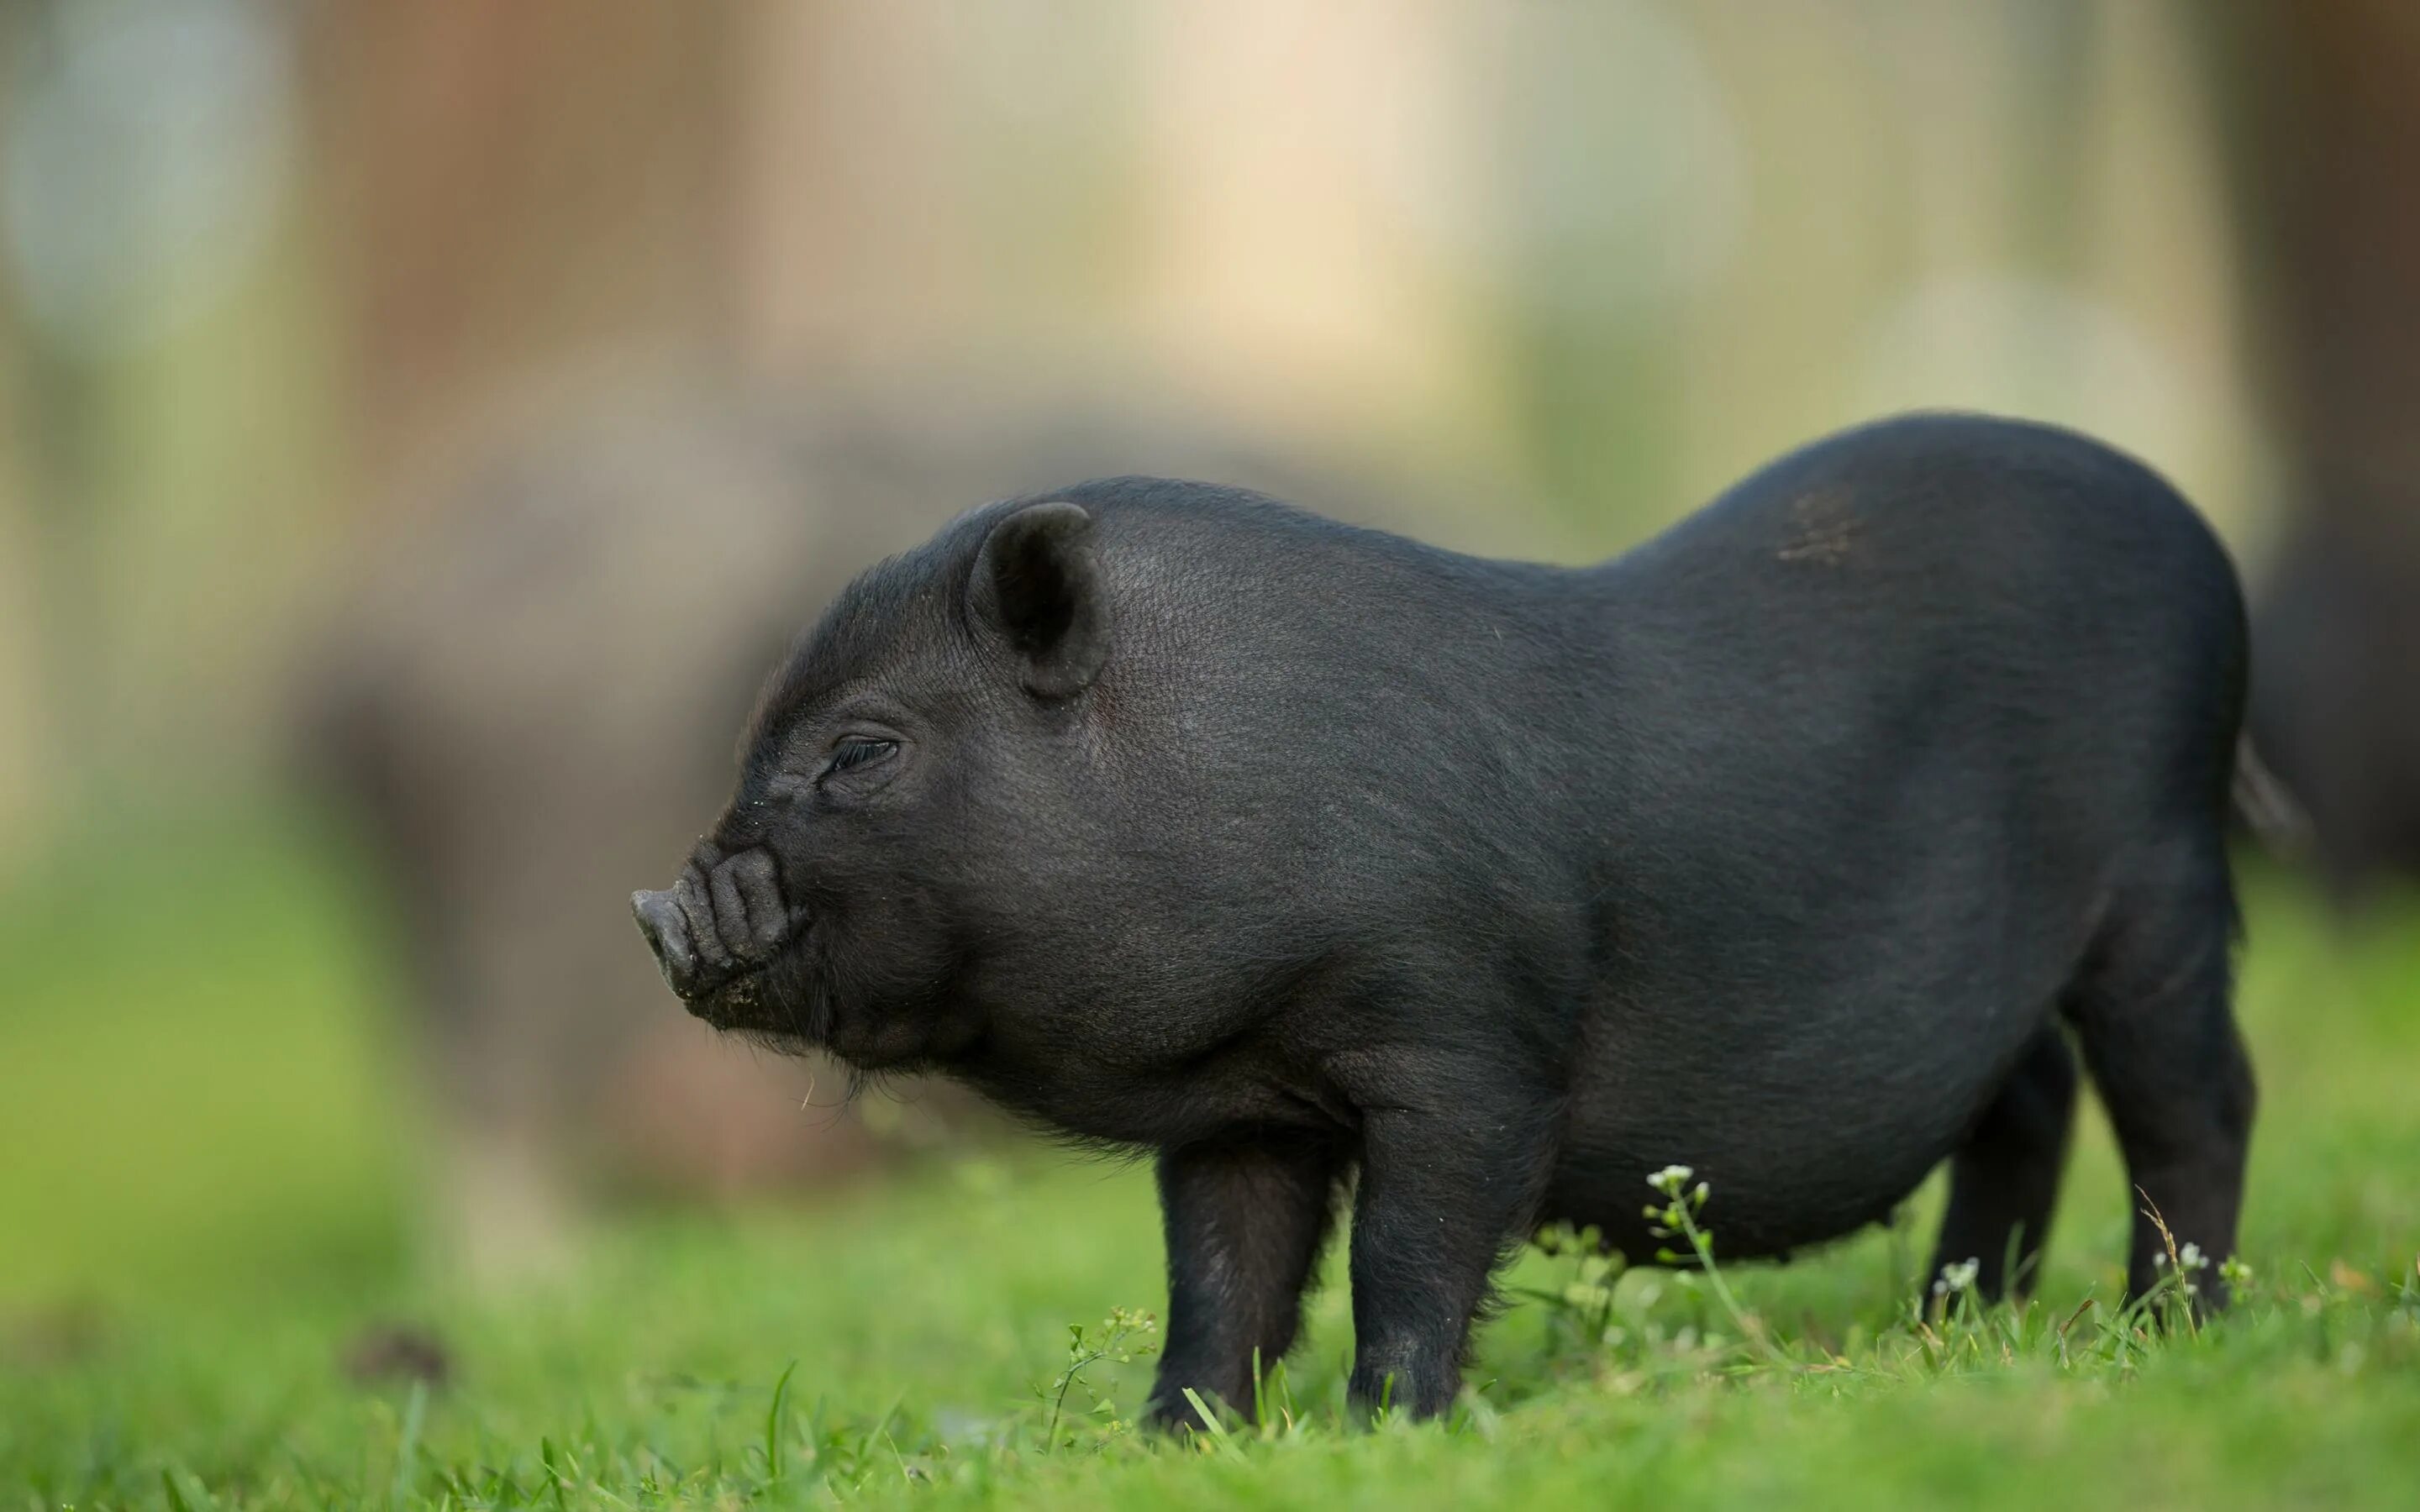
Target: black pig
x: 1791, y: 845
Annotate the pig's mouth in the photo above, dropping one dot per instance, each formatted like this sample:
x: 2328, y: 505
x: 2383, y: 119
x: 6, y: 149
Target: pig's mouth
x: 718, y: 933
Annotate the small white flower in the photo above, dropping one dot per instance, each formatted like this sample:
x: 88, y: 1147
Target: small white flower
x: 1588, y: 1298
x: 1957, y: 1276
x: 2192, y: 1258
x: 1670, y: 1180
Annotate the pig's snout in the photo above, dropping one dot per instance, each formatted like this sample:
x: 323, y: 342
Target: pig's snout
x: 721, y: 920
x: 659, y: 921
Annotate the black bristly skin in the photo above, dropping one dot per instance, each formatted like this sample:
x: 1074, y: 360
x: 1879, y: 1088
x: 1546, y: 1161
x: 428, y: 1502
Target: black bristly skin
x: 1794, y: 846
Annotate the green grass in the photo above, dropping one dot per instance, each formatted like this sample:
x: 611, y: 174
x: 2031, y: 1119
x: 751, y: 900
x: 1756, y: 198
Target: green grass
x: 205, y: 1161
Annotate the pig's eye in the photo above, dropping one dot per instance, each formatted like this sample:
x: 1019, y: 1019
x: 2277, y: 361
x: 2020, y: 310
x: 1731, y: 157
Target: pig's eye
x: 851, y: 754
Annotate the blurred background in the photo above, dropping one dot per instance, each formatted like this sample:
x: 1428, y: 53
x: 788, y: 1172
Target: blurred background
x: 421, y: 426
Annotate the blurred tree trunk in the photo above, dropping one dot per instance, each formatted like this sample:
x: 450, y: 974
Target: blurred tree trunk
x: 2326, y: 125
x: 519, y: 186
x: 60, y: 435
x: 24, y: 691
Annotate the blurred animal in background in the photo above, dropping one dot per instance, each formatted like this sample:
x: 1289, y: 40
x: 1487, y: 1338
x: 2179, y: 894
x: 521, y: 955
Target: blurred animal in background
x: 506, y: 703
x: 2336, y: 699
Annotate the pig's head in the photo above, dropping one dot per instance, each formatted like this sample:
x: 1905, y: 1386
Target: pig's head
x: 919, y: 758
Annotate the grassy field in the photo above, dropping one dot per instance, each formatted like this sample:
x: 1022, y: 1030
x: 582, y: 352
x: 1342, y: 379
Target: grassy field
x: 204, y: 1145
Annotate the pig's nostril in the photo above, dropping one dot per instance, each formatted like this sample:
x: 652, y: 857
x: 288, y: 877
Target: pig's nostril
x: 660, y: 922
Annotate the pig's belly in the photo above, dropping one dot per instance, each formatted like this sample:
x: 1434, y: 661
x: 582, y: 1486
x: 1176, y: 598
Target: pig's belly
x: 1801, y: 1143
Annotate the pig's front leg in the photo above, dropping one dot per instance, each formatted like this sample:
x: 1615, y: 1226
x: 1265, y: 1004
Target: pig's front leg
x: 1245, y: 1223
x: 1440, y: 1198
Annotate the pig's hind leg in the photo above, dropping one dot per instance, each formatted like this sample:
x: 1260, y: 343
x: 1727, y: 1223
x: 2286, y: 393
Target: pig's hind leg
x: 2151, y: 1006
x: 2004, y: 1180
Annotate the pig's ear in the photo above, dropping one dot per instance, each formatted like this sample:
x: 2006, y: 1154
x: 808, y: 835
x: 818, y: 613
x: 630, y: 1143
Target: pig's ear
x: 1038, y: 585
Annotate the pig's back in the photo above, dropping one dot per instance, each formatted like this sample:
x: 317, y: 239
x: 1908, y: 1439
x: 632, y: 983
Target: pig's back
x: 1889, y: 721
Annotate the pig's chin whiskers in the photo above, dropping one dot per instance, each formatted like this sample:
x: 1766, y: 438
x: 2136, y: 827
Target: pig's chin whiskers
x: 861, y: 1082
x: 777, y: 1042
x: 790, y: 1021
x: 789, y: 1001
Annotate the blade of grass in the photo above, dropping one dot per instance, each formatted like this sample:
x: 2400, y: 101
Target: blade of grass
x: 1218, y: 1430
x: 773, y: 1415
x: 407, y: 1449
